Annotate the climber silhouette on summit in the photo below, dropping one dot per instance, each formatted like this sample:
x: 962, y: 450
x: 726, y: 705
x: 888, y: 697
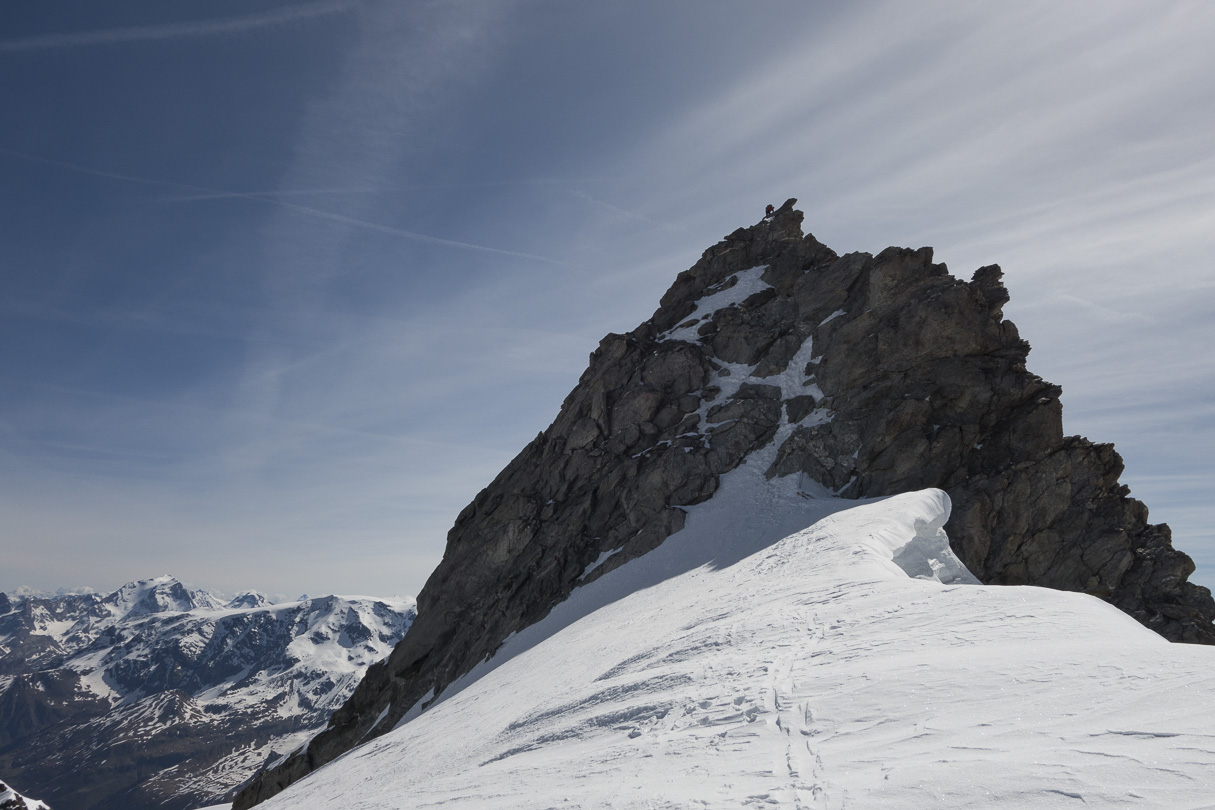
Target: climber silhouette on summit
x: 769, y: 211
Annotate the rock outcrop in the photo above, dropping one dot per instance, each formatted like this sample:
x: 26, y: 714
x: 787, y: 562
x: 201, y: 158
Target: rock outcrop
x: 896, y: 375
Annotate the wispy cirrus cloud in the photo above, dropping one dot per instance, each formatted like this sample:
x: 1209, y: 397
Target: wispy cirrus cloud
x: 144, y: 33
x: 359, y: 378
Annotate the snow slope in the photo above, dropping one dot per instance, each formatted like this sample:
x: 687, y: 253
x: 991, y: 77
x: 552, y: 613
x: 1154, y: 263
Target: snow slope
x: 750, y: 661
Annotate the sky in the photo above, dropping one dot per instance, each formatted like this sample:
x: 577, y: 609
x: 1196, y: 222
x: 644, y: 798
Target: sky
x: 284, y: 285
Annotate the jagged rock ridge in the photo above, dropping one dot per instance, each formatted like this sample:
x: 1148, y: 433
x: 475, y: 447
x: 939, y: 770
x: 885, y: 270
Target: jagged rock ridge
x: 908, y: 378
x: 161, y: 696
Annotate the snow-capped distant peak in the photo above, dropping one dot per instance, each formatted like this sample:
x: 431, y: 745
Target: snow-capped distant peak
x: 248, y: 599
x: 161, y: 594
x: 156, y: 595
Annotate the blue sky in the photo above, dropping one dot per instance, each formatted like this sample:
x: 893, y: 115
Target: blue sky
x: 283, y: 285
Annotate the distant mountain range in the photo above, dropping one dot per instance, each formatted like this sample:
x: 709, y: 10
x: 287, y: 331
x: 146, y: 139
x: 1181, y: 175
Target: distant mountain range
x: 157, y: 695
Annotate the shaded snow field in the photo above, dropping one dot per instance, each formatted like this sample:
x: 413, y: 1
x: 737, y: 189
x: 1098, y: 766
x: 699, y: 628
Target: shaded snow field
x: 751, y: 661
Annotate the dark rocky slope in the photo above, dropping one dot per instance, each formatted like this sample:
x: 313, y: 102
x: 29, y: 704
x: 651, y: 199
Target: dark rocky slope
x: 910, y: 379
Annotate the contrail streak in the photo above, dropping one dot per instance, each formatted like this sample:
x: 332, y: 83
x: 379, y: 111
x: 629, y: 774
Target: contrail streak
x: 420, y: 237
x: 263, y: 197
x: 299, y: 192
x: 174, y: 30
x: 76, y: 167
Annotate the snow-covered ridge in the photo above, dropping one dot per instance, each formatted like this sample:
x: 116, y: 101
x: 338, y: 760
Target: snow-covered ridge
x: 796, y: 650
x: 130, y: 675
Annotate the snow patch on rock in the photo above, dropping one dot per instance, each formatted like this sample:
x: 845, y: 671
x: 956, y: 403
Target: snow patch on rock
x: 730, y: 292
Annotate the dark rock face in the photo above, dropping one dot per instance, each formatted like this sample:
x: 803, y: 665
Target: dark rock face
x: 905, y: 378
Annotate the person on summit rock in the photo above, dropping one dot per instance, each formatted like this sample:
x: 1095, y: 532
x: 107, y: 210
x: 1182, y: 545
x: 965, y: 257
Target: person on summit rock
x: 769, y: 211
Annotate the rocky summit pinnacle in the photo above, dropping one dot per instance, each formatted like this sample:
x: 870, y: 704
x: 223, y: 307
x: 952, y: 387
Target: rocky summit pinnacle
x: 882, y: 374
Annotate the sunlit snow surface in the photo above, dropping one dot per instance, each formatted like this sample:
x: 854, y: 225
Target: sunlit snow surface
x: 747, y: 663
